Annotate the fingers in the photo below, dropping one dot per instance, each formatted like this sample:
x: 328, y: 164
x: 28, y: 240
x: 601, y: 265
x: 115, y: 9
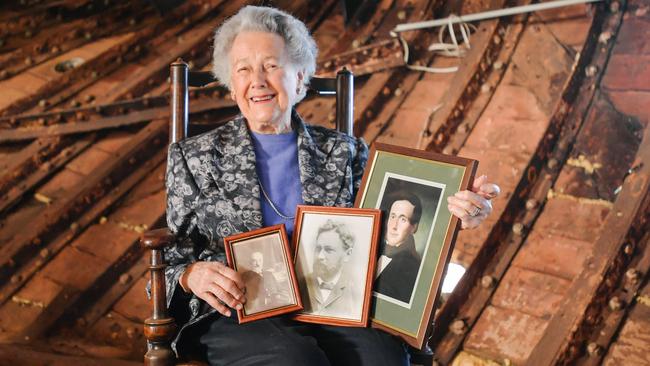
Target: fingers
x: 469, y: 201
x: 213, y: 280
x: 478, y: 182
x: 467, y: 221
x: 213, y: 301
x: 489, y: 190
x: 236, y: 279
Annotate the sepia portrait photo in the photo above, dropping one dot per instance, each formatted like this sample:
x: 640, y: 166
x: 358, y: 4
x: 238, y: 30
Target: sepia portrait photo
x: 335, y: 250
x: 263, y: 259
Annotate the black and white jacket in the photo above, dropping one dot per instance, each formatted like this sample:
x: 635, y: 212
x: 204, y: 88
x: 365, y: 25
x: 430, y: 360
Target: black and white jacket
x: 213, y: 192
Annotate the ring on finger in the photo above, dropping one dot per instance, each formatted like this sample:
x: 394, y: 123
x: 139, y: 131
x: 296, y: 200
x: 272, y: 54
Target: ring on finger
x: 475, y: 211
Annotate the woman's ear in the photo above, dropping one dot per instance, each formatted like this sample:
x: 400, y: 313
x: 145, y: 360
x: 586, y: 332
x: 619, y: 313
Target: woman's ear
x: 300, y: 77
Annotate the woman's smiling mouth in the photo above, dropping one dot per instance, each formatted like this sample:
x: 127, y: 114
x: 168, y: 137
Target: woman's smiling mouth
x: 262, y: 98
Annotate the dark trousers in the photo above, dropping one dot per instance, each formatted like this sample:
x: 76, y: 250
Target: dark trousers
x: 282, y: 341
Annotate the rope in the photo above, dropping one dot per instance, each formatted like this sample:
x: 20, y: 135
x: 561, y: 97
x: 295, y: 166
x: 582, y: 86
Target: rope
x: 454, y: 49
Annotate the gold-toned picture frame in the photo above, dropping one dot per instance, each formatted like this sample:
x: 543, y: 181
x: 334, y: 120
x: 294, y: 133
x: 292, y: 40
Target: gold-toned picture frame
x: 334, y: 253
x: 411, y: 188
x: 263, y: 259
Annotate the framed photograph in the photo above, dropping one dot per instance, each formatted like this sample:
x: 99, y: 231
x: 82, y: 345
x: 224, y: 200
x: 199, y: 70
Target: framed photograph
x: 411, y: 188
x: 335, y: 254
x: 263, y: 258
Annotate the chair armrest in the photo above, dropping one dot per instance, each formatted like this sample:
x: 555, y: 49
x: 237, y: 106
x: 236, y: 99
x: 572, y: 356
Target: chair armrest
x: 157, y: 239
x: 160, y: 327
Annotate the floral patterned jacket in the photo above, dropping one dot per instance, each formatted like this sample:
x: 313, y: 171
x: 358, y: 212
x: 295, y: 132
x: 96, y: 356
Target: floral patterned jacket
x: 213, y: 192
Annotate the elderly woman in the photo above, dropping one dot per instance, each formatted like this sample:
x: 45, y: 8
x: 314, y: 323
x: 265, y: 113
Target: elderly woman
x: 252, y: 172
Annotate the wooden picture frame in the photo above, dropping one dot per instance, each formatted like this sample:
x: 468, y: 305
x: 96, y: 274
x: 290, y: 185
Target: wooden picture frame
x: 414, y: 255
x: 334, y: 253
x: 263, y: 258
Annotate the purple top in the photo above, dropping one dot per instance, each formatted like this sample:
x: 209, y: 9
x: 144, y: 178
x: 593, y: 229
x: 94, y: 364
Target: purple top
x: 276, y: 157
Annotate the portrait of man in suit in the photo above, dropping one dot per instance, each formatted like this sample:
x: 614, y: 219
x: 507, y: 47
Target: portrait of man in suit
x: 331, y: 292
x: 263, y: 291
x: 399, y: 263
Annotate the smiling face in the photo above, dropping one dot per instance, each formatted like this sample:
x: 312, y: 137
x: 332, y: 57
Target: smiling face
x: 399, y: 226
x: 263, y: 81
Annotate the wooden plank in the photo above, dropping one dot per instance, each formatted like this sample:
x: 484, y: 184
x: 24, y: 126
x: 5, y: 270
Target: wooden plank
x: 199, y: 106
x: 21, y: 355
x: 557, y: 344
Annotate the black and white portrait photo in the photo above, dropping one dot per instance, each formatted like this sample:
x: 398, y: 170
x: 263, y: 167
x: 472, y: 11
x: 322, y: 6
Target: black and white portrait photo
x: 332, y: 264
x: 264, y: 269
x: 410, y: 207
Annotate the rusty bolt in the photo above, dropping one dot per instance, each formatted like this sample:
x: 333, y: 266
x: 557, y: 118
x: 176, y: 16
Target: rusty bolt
x: 398, y: 92
x: 385, y: 91
x: 591, y: 71
x: 331, y: 117
x: 485, y: 88
x: 55, y: 49
x: 487, y: 281
x: 614, y: 7
x: 464, y: 128
x: 368, y: 114
x: 44, y: 253
x: 401, y: 15
x: 125, y: 278
x: 552, y: 163
x: 458, y: 327
x: 629, y: 248
x: 94, y: 74
x: 497, y: 65
x: 74, y: 226
x: 28, y: 33
x: 594, y: 349
x: 448, y: 150
x: 130, y: 332
x: 89, y: 98
x: 74, y: 103
x: 103, y: 220
x: 132, y: 161
x: 40, y: 121
x: 615, y: 303
x: 632, y: 275
x: 356, y: 43
x: 88, y: 36
x: 81, y: 322
x: 36, y: 241
x: 16, y: 278
x: 605, y: 37
x: 43, y: 103
x: 29, y: 61
x: 518, y: 228
x: 531, y: 204
x: 496, y: 39
x: 132, y: 21
x: 4, y: 74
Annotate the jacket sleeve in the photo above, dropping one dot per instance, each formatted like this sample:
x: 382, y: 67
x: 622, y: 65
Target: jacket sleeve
x: 358, y: 165
x: 182, y: 197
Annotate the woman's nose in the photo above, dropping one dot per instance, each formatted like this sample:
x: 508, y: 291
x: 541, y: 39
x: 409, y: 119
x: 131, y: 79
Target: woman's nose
x: 259, y: 78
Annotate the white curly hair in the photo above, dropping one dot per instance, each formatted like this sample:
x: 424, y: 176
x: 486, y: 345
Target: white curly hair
x: 300, y: 46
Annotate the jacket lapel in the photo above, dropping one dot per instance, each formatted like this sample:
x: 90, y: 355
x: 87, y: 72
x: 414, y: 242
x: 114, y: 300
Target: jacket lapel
x: 235, y: 174
x: 321, y: 175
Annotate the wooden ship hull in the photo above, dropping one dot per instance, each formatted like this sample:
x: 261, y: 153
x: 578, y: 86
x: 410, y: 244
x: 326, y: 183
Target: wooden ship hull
x: 552, y: 104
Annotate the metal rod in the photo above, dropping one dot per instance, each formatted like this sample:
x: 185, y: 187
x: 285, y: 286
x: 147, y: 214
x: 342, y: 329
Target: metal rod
x: 488, y: 14
x: 179, y: 101
x: 344, y: 101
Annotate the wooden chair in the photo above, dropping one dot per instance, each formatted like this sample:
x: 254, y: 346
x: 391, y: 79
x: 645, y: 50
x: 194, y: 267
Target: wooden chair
x: 160, y: 327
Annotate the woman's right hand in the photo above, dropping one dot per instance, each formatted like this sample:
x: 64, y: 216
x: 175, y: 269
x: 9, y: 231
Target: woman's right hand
x: 216, y: 284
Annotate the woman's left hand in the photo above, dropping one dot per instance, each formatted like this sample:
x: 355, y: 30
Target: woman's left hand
x: 473, y: 206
